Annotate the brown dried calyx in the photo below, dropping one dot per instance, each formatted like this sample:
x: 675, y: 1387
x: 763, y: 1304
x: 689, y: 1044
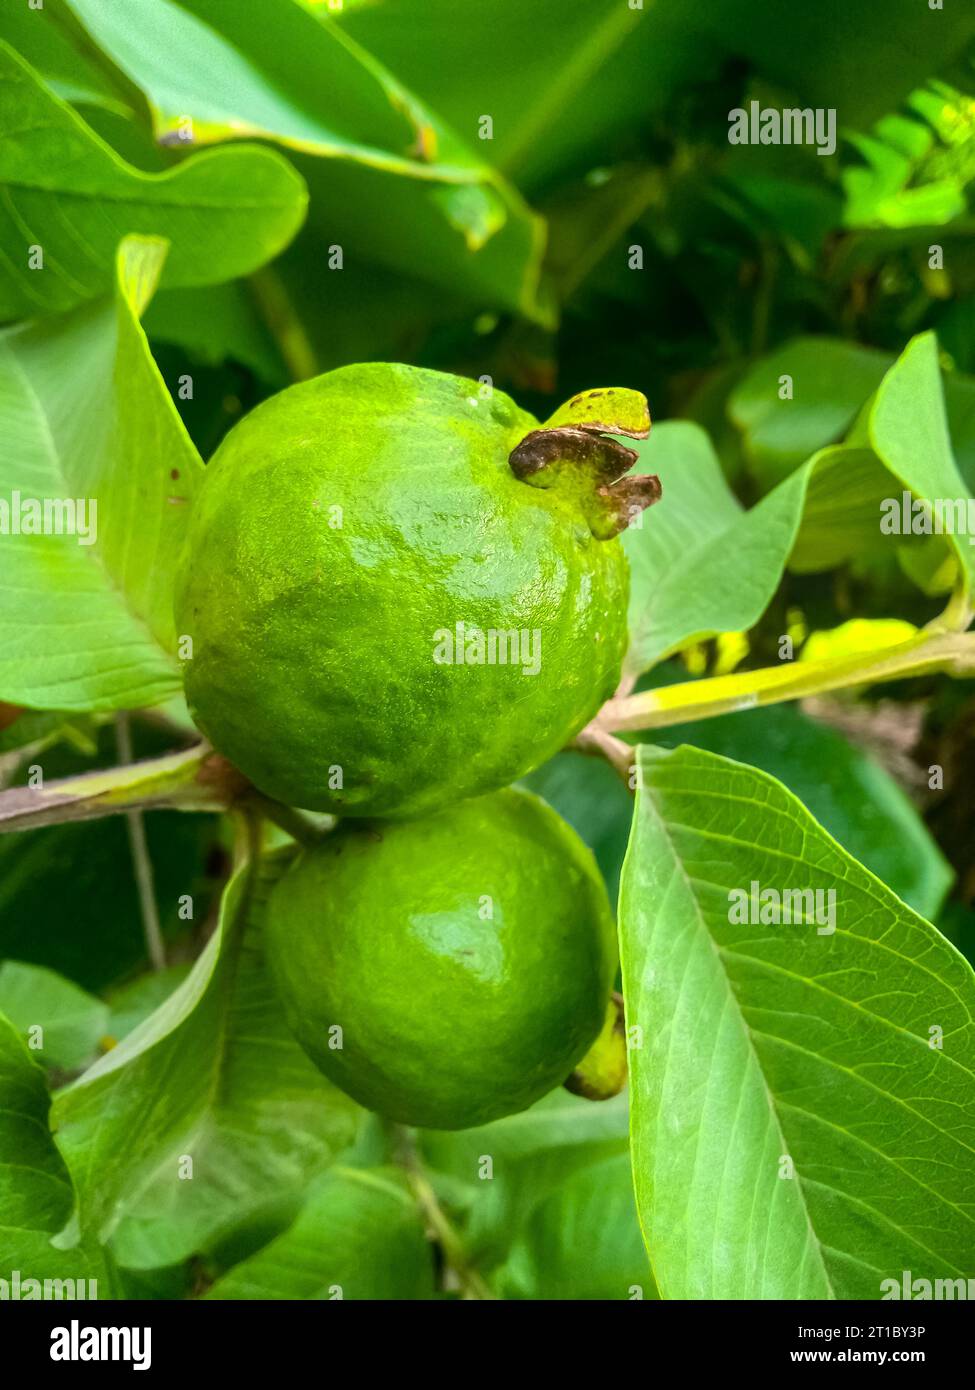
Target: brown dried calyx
x: 571, y: 450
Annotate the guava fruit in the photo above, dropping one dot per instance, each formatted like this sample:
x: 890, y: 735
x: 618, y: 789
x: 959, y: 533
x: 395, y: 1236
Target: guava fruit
x: 400, y: 593
x: 446, y: 970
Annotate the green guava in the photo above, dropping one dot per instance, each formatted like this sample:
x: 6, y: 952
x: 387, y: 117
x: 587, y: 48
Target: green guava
x: 401, y: 593
x: 447, y: 970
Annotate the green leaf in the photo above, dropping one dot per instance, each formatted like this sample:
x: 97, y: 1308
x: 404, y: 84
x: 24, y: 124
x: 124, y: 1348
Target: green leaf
x: 841, y: 518
x: 64, y: 190
x: 359, y: 1236
x: 35, y: 730
x: 216, y: 324
x: 311, y: 89
x: 795, y: 1134
x: 390, y: 181
x: 851, y: 795
x: 908, y: 430
x: 848, y: 792
x: 72, y: 1022
x: 830, y: 379
x: 546, y: 108
x: 36, y: 1196
x: 700, y: 563
x: 214, y: 1076
x: 531, y: 1154
x: 87, y: 617
x: 681, y: 553
x: 582, y: 1242
x: 134, y: 1002
x: 41, y: 36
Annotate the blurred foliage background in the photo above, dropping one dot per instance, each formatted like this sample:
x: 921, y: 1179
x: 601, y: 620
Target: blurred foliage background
x: 606, y: 232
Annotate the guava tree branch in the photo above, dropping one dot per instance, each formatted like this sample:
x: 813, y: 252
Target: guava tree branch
x: 196, y: 779
x: 601, y: 744
x: 929, y: 651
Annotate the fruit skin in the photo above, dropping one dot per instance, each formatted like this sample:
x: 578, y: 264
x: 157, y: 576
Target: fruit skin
x: 313, y: 643
x: 449, y: 1018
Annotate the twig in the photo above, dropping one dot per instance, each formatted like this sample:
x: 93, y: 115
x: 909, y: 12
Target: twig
x: 194, y: 780
x: 297, y: 824
x: 929, y: 651
x: 407, y: 1157
x: 141, y: 862
x: 597, y: 742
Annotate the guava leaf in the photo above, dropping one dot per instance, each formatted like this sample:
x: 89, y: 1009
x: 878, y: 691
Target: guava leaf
x: 796, y: 1134
x: 700, y: 563
x: 212, y: 1076
x: 312, y: 89
x: 86, y: 619
x: 901, y: 444
x: 582, y: 1242
x: 64, y: 190
x: 388, y: 177
x: 531, y: 1154
x: 830, y: 380
x: 71, y: 1021
x: 216, y: 323
x: 27, y: 730
x: 359, y: 1236
x: 132, y: 1003
x: 41, y: 37
x: 36, y: 1196
x: 851, y: 794
x: 841, y: 518
x: 559, y: 103
x: 908, y: 430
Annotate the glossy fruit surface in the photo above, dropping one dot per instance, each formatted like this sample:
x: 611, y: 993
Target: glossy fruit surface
x: 384, y: 617
x: 465, y: 957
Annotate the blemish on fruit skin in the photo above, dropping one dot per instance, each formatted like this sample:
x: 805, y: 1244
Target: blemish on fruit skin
x: 174, y: 473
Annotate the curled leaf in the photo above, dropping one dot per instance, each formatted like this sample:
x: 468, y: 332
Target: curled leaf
x: 572, y: 450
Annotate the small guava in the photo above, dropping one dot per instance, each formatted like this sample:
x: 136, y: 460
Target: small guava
x: 401, y: 592
x: 447, y: 970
